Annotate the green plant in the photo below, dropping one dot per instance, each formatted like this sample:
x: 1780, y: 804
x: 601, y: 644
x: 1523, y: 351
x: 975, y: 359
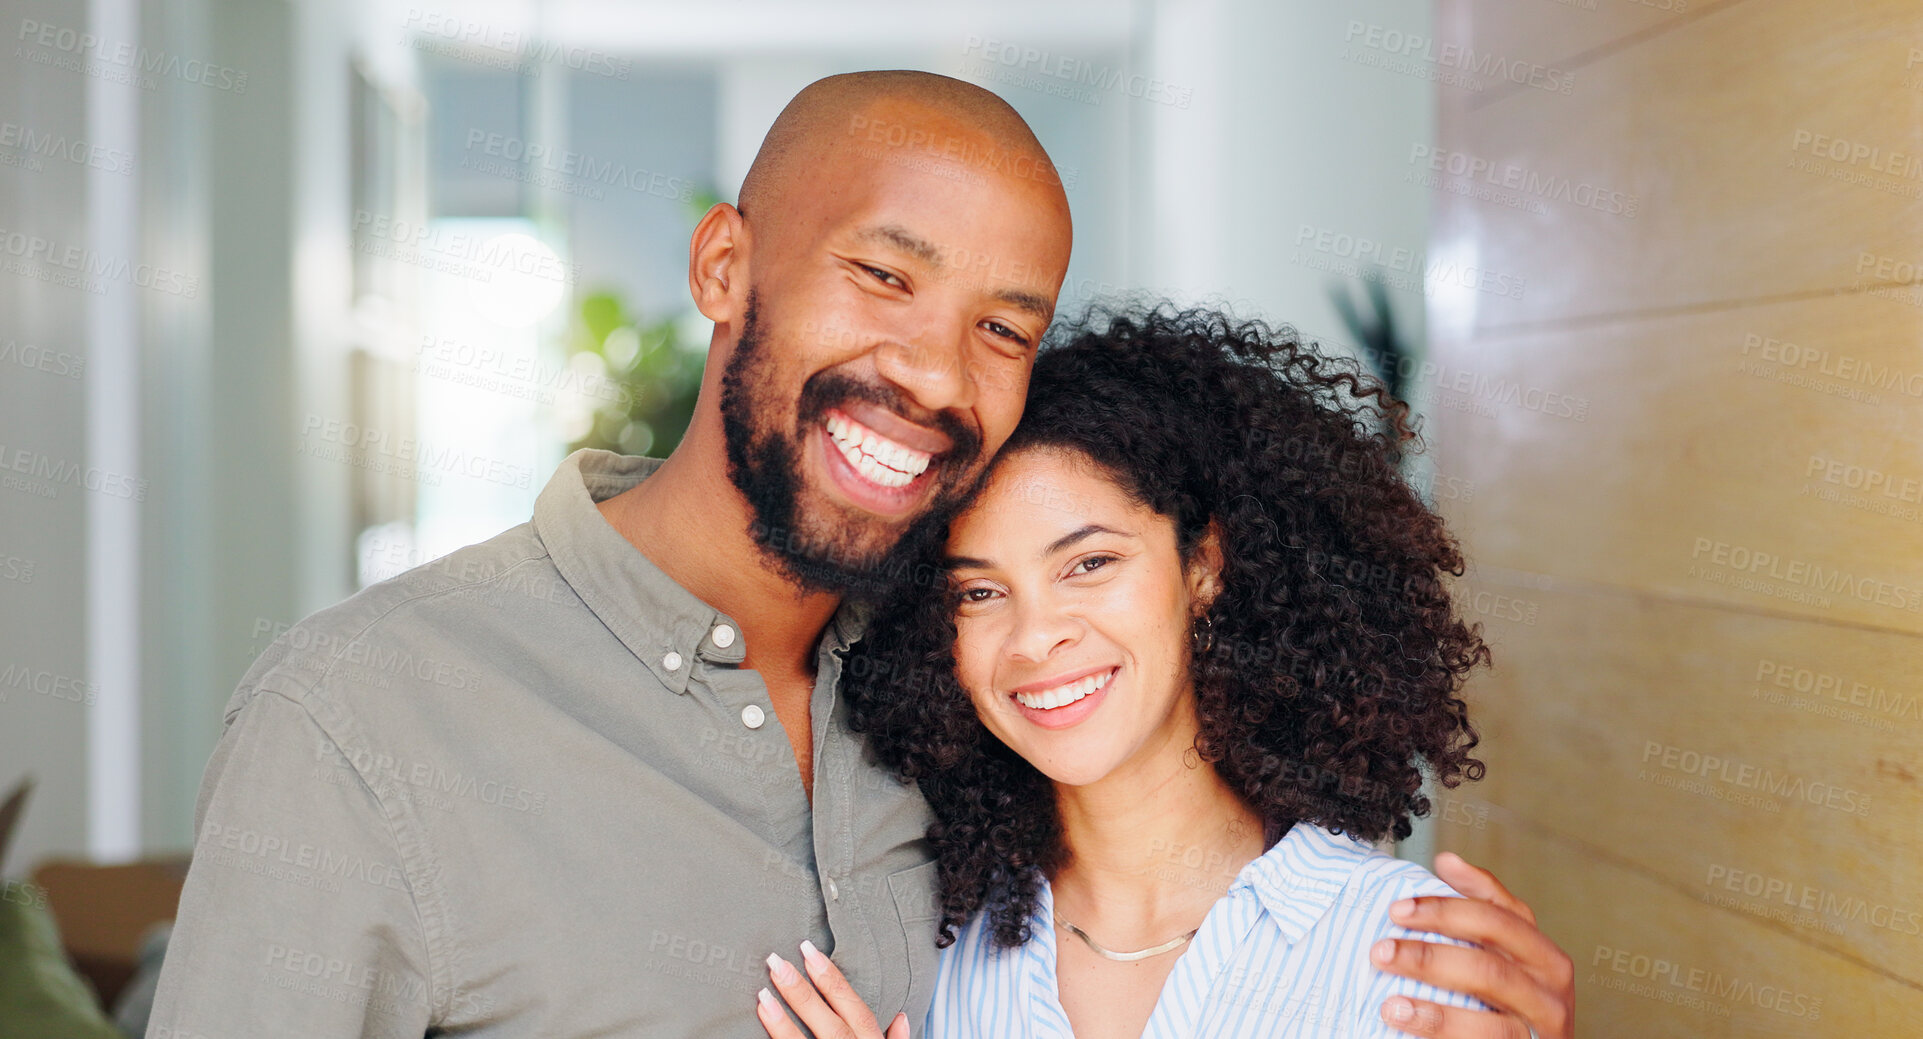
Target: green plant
x: 651, y: 373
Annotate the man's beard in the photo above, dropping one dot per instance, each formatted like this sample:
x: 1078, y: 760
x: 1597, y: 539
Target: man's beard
x: 849, y: 554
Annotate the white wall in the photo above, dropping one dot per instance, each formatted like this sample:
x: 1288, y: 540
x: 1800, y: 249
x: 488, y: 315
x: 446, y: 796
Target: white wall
x: 43, y: 540
x: 1283, y: 132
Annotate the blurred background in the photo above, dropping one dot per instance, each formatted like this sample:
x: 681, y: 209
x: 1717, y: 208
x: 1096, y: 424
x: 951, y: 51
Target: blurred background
x: 297, y: 295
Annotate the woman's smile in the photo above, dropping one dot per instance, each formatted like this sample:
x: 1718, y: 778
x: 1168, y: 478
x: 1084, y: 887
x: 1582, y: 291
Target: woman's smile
x: 1057, y: 703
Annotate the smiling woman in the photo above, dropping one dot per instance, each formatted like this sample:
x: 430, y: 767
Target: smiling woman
x: 1193, y: 651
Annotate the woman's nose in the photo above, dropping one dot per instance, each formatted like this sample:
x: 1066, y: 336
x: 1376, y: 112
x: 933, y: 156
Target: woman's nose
x: 1042, y: 626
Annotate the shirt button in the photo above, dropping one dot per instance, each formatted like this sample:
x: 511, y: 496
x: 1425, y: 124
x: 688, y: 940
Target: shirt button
x: 752, y: 716
x: 834, y: 892
x: 672, y: 661
x: 723, y: 636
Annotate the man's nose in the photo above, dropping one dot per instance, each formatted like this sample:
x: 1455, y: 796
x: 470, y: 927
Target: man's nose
x: 930, y: 366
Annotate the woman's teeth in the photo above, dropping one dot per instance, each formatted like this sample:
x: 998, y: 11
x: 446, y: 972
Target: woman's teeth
x: 875, y: 457
x: 1066, y: 693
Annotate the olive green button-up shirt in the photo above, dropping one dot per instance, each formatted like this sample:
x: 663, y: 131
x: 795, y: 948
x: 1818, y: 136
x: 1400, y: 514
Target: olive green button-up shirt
x: 528, y: 790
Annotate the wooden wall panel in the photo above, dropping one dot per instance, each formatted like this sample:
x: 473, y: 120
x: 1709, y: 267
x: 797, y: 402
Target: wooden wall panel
x: 1655, y: 962
x: 1699, y: 744
x: 1765, y: 456
x: 1705, y: 747
x: 1703, y: 156
x: 1553, y: 32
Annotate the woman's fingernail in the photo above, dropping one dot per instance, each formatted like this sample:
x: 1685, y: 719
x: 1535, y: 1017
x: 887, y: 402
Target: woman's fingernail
x: 1383, y: 951
x: 767, y: 1001
x: 1403, y: 907
x: 783, y: 971
x: 812, y: 956
x: 1400, y: 1009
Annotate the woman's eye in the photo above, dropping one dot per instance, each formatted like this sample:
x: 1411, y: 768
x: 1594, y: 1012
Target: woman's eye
x: 1091, y: 563
x: 973, y: 596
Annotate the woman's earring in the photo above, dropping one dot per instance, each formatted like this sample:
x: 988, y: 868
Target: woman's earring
x: 1203, y: 633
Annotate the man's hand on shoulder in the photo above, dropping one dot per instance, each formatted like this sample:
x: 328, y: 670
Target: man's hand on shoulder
x: 1517, y: 969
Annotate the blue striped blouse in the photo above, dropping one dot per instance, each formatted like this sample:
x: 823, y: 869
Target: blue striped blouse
x: 1284, y: 954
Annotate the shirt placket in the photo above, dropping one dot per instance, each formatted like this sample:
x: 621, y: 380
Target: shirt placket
x: 834, y: 824
x: 745, y: 710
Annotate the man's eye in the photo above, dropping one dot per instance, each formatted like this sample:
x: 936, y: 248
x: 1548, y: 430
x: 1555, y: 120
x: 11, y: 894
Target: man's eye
x: 885, y: 277
x: 1006, y: 332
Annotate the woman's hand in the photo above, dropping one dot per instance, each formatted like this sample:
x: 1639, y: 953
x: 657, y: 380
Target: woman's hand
x: 833, y: 1012
x: 1518, y: 970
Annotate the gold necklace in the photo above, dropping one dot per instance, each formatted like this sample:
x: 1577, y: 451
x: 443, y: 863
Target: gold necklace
x: 1125, y: 957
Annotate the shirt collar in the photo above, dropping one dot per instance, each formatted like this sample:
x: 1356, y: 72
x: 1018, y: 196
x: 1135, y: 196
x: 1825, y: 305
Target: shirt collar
x: 1296, y: 882
x: 659, y: 621
x: 1299, y: 880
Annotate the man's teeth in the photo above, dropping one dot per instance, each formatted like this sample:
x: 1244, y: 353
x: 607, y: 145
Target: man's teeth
x: 877, y: 458
x: 1066, y: 693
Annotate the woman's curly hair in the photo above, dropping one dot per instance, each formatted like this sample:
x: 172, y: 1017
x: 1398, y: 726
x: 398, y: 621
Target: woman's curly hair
x: 1331, y: 679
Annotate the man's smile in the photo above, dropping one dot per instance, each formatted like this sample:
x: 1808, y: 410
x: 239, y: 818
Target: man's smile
x: 881, y: 461
x: 885, y: 462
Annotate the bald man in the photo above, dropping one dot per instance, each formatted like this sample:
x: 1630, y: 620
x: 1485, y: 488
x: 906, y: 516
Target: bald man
x: 583, y: 778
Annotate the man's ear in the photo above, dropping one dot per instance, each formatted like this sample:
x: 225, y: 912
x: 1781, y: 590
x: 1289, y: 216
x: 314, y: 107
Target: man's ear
x: 1205, y: 568
x: 717, y: 264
